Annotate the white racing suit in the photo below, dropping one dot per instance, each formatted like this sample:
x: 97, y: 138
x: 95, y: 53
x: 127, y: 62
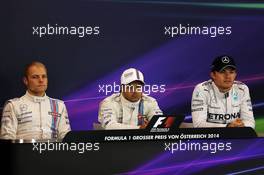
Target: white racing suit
x: 115, y: 112
x: 30, y: 117
x: 212, y: 108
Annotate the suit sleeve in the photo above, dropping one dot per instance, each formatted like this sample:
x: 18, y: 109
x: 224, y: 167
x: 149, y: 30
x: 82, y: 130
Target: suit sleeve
x: 64, y: 125
x: 199, y: 108
x: 108, y: 117
x: 9, y: 122
x: 246, y: 110
x: 154, y: 110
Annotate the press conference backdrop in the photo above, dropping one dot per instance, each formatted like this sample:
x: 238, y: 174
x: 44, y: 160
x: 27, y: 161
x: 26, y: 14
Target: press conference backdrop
x: 86, y: 45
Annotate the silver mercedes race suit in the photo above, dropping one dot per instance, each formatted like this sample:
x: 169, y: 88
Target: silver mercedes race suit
x: 212, y: 108
x: 31, y: 117
x: 115, y: 112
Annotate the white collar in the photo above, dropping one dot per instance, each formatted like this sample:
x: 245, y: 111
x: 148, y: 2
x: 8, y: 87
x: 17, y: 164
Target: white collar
x: 127, y: 103
x: 217, y: 91
x: 35, y: 99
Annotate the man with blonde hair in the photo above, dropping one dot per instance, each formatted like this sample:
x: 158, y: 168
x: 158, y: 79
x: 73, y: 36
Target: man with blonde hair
x: 35, y: 115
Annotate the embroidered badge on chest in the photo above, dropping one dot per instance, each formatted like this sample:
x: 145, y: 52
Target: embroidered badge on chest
x: 23, y: 107
x: 235, y: 96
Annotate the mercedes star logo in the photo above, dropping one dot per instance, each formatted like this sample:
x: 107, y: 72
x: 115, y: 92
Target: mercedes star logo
x: 23, y: 107
x: 225, y: 59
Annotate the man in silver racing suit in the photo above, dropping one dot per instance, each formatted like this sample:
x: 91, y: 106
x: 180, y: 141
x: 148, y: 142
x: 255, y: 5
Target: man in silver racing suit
x: 221, y: 101
x: 35, y: 115
x: 129, y: 109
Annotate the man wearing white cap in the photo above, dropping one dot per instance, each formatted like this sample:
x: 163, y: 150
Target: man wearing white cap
x: 222, y: 101
x: 129, y: 109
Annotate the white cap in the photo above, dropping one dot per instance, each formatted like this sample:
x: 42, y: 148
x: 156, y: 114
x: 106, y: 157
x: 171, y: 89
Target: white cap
x: 131, y: 75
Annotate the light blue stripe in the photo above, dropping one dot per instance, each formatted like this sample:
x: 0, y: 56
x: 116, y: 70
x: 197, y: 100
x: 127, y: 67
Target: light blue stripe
x: 51, y: 107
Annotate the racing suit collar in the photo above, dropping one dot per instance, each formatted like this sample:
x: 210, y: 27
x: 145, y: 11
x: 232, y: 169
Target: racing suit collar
x: 127, y: 103
x: 218, y: 93
x: 35, y: 99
